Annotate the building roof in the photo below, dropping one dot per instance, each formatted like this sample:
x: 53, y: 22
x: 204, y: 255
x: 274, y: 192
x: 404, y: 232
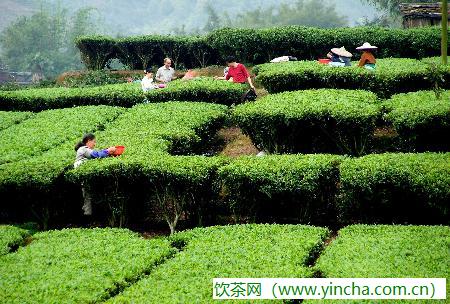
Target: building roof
x: 421, y: 10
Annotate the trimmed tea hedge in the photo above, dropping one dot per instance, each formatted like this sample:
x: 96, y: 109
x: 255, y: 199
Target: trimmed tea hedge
x: 296, y: 188
x: 125, y: 95
x: 313, y: 121
x: 8, y: 119
x: 201, y: 89
x: 49, y: 129
x: 391, y: 76
x: 262, y: 45
x: 255, y: 45
x: 150, y: 132
x: 362, y: 251
x: 11, y: 237
x: 395, y: 188
x: 78, y: 265
x: 421, y: 120
x: 231, y: 251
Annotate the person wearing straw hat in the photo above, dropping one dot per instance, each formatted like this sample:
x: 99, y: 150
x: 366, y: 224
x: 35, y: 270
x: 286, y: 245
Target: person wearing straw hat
x: 340, y: 57
x: 367, y: 60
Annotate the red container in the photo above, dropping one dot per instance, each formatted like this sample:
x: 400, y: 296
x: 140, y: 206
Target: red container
x: 324, y: 61
x: 119, y: 150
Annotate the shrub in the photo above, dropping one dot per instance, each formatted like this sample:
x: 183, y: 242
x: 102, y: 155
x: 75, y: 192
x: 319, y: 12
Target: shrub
x: 124, y: 95
x: 48, y: 129
x: 293, y: 188
x: 203, y: 89
x: 335, y: 121
x: 11, y: 237
x: 421, y: 120
x: 8, y: 119
x: 255, y: 45
x: 395, y: 188
x: 78, y: 265
x: 96, y: 50
x: 150, y: 132
x: 390, y: 77
x: 307, y: 43
x: 253, y: 251
x: 96, y: 78
x: 362, y: 251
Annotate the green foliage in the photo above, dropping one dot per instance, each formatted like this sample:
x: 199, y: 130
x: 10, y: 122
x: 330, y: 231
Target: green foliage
x: 308, y: 43
x: 11, y: 237
x: 255, y: 45
x: 362, y: 251
x: 301, y: 12
x: 97, y: 78
x: 392, y: 76
x: 395, y: 188
x: 253, y: 251
x: 48, y: 129
x: 8, y: 119
x: 330, y: 121
x: 78, y: 265
x: 202, y: 89
x: 421, y: 120
x: 150, y: 132
x: 95, y: 50
x: 124, y: 95
x: 299, y: 188
x: 43, y: 42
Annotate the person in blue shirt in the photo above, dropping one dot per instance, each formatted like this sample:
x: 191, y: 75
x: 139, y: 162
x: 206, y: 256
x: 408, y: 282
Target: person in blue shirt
x: 85, y: 151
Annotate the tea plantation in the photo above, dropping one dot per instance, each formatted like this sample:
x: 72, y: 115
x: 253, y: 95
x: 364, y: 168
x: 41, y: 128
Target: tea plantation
x: 355, y: 180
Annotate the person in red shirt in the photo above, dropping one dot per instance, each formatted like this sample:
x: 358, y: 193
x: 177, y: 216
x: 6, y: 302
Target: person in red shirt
x: 237, y: 73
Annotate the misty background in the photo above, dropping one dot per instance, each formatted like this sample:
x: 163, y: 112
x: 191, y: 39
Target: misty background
x: 39, y: 34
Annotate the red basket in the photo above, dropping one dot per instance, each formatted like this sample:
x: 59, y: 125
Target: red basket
x: 119, y: 150
x: 324, y: 61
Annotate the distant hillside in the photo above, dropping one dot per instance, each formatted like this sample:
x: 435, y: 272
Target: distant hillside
x: 163, y: 16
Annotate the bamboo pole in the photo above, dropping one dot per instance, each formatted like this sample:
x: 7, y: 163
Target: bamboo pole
x: 444, y: 42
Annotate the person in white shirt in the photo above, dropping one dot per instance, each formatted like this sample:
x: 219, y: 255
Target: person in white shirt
x: 165, y: 73
x: 147, y: 82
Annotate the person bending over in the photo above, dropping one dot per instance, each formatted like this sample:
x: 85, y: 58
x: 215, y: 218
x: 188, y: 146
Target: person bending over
x: 237, y: 73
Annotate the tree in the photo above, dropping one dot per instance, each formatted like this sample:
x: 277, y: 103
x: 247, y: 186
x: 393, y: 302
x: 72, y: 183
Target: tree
x: 301, y: 12
x: 213, y: 21
x: 44, y: 41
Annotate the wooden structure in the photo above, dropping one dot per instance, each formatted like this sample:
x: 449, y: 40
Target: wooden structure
x: 421, y: 14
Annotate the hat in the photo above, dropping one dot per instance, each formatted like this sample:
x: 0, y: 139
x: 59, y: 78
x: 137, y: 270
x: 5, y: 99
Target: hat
x: 366, y: 46
x: 341, y: 52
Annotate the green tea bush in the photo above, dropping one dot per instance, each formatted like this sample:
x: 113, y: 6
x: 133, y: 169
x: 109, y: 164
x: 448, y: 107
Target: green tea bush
x: 313, y: 121
x: 8, y: 119
x: 173, y: 185
x: 362, y: 251
x: 421, y: 120
x: 252, y: 251
x: 48, y: 129
x: 96, y: 50
x: 395, y: 188
x: 391, y: 76
x: 11, y: 237
x: 124, y: 95
x: 202, y: 89
x: 294, y: 188
x: 254, y: 46
x: 307, y: 43
x: 78, y: 265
